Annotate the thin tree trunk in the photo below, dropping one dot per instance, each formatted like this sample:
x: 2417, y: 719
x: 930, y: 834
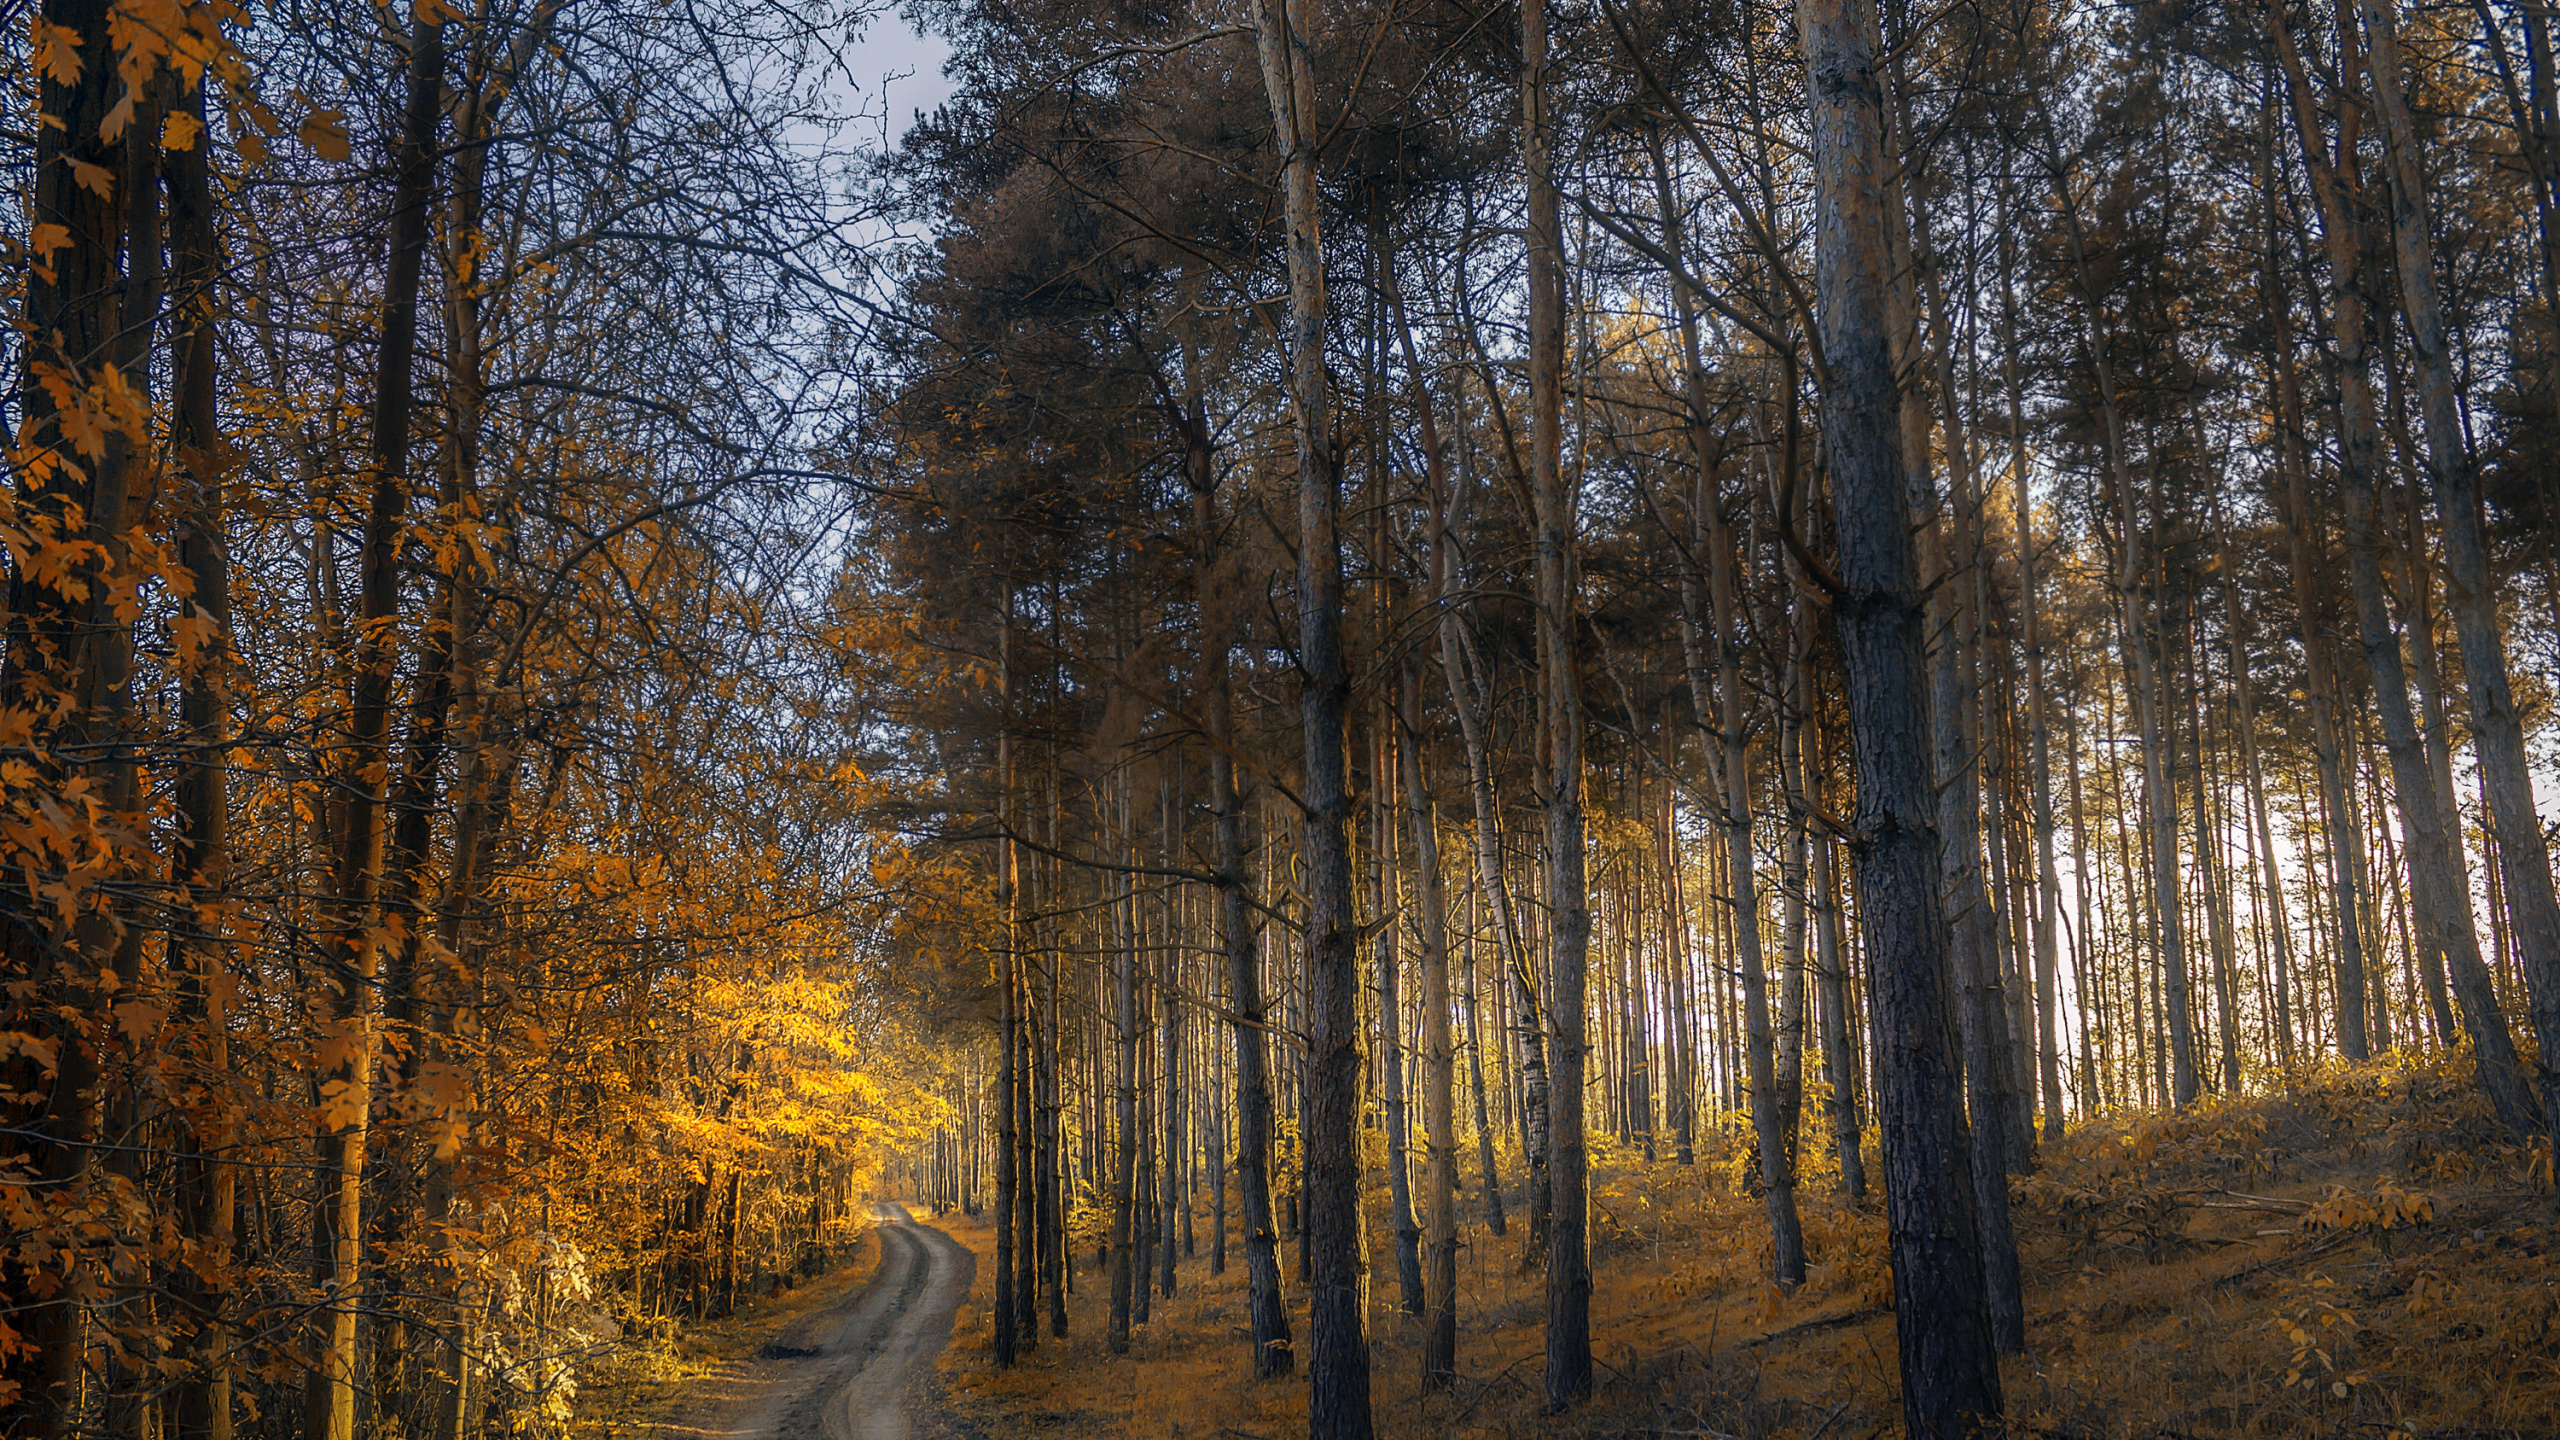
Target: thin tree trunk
x: 2280, y: 1019
x: 201, y: 862
x: 1268, y: 1314
x: 2357, y: 440
x: 2209, y: 862
x: 1406, y: 1233
x: 1009, y: 1024
x: 1797, y: 929
x: 1839, y: 1050
x: 346, y: 1085
x: 1681, y: 1077
x: 1982, y: 1015
x: 1338, y: 1344
x: 2039, y: 728
x: 1722, y: 720
x: 1124, y: 1101
x: 1170, y: 1195
x: 1439, y: 1110
x: 1470, y: 698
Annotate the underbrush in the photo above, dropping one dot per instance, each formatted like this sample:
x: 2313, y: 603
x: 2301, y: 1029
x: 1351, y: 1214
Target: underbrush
x: 655, y: 1380
x: 2360, y: 1253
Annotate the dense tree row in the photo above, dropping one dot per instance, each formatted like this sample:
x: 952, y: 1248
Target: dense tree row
x: 1523, y: 584
x: 425, y: 805
x: 1404, y: 598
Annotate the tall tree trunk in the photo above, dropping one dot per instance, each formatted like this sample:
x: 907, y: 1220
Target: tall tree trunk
x: 1493, y: 882
x: 2280, y: 1016
x: 1051, y: 1159
x: 1568, y: 1377
x: 1495, y: 1219
x: 1723, y: 721
x: 1950, y: 1372
x: 1009, y: 1024
x: 1471, y: 685
x: 1267, y: 1313
x: 1946, y: 555
x: 1797, y: 932
x: 1026, y: 1186
x: 1839, y: 1050
x: 1439, y: 1359
x: 69, y: 491
x: 1768, y: 1100
x: 1681, y: 1074
x: 2355, y: 398
x: 1172, y: 1196
x: 201, y: 857
x: 346, y: 1082
x: 1338, y: 1343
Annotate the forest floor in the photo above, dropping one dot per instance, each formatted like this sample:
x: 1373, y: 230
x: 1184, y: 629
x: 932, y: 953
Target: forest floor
x: 2360, y: 1254
x: 839, y: 1358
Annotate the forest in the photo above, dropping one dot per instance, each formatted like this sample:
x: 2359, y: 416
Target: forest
x: 1390, y: 717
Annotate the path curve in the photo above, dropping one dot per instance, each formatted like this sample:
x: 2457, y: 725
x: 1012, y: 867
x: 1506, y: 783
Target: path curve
x: 856, y: 1371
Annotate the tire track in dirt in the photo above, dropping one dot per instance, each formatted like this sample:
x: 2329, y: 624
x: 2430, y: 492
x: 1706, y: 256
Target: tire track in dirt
x: 856, y: 1371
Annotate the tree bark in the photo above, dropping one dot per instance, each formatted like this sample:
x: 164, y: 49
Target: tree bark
x: 1568, y: 1374
x: 1439, y: 1108
x: 346, y: 1078
x: 1382, y: 784
x: 202, y: 1408
x: 1950, y: 1372
x: 1124, y: 1103
x: 1338, y: 1344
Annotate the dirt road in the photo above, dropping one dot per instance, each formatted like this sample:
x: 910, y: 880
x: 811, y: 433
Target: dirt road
x: 855, y: 1371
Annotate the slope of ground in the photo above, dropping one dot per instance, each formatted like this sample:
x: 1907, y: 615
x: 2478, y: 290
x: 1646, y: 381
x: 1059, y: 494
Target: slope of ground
x: 2360, y: 1254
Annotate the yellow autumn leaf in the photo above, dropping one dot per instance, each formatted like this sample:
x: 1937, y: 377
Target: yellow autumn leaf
x: 34, y: 1047
x: 342, y: 1104
x: 57, y: 51
x: 325, y: 131
x: 180, y: 131
x: 97, y: 179
x: 140, y: 1019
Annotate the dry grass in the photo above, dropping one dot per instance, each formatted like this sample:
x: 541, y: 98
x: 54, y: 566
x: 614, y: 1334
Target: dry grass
x: 2359, y: 1255
x: 653, y: 1383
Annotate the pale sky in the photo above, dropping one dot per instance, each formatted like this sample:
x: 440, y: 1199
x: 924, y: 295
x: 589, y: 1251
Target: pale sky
x: 900, y: 70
